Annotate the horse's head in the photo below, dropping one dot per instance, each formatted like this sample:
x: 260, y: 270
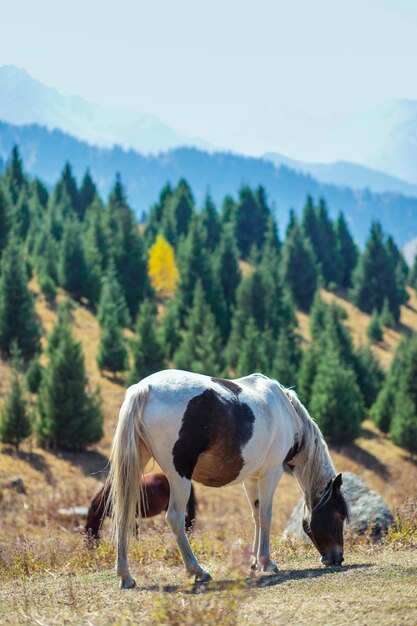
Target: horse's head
x: 325, y: 522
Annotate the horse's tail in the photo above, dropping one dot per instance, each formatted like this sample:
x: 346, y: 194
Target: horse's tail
x: 126, y: 467
x: 191, y: 510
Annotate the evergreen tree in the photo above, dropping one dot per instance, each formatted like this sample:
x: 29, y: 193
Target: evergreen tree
x: 287, y: 358
x: 307, y: 373
x: 336, y: 401
x: 369, y: 375
x: 66, y: 192
x: 374, y: 330
x: 226, y: 267
x: 18, y: 320
x: 181, y: 207
x: 251, y: 216
x: 200, y: 347
x: 112, y: 352
x: 128, y: 249
x: 69, y: 416
x: 33, y: 377
x: 195, y: 265
x: 318, y: 313
x: 403, y: 428
x: 112, y: 298
x: 374, y: 278
x: 15, y: 424
x: 72, y: 264
x: 147, y: 350
x: 383, y: 408
x: 386, y: 317
x: 21, y: 215
x: 14, y: 178
x: 156, y: 215
x: 347, y: 251
x: 171, y: 326
x: 211, y: 224
x: 299, y: 269
x: 87, y: 194
x: 4, y: 220
x: 401, y: 268
x: 252, y: 354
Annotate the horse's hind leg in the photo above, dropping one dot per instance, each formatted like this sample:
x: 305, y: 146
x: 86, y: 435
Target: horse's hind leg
x: 252, y: 492
x: 180, y: 492
x: 267, y: 485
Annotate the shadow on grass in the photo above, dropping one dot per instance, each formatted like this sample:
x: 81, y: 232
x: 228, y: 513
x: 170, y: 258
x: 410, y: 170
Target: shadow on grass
x: 91, y: 462
x: 35, y: 460
x: 255, y: 582
x: 363, y: 457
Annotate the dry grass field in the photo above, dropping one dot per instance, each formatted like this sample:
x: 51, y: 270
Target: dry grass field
x: 47, y: 576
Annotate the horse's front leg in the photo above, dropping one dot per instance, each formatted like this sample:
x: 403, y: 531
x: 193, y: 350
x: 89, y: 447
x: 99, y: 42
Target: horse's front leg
x: 267, y: 485
x: 180, y: 493
x: 252, y: 492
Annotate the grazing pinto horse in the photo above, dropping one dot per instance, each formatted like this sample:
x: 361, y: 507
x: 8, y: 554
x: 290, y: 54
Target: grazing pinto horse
x: 155, y: 490
x: 221, y: 432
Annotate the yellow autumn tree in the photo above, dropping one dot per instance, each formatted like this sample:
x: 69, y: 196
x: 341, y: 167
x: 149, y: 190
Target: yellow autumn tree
x: 162, y: 268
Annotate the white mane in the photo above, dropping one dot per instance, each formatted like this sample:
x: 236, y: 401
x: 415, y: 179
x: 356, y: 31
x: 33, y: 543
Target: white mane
x: 318, y: 467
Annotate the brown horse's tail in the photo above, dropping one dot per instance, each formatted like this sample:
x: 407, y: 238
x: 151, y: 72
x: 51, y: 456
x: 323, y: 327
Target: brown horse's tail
x: 191, y: 510
x: 126, y: 465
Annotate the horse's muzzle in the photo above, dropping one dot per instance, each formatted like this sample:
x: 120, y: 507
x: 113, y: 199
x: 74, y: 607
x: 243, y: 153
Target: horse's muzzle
x: 332, y: 559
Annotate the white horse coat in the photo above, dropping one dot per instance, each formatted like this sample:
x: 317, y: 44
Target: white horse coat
x: 220, y: 432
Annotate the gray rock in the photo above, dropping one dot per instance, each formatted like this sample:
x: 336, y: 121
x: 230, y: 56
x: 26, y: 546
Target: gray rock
x: 17, y: 484
x: 369, y: 512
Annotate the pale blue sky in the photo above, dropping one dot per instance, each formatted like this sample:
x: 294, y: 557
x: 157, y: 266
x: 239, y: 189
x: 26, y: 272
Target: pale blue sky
x: 212, y: 69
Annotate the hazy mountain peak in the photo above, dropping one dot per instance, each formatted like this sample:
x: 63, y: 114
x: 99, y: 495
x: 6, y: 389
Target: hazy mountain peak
x: 25, y: 100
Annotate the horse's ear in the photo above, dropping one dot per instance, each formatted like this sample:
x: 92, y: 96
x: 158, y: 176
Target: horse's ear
x: 337, y: 483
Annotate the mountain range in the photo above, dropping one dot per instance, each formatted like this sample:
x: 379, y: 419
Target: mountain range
x: 51, y: 129
x: 25, y: 100
x: 44, y: 153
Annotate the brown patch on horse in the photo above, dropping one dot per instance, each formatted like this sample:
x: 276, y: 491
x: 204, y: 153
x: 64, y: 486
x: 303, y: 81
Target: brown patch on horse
x: 213, y: 433
x: 228, y: 384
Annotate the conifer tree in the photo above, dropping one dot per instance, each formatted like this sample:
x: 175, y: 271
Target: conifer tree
x: 18, y: 320
x: 307, y: 373
x: 15, y: 424
x: 156, y: 214
x: 181, y: 207
x: 386, y: 317
x: 112, y: 352
x: 33, y: 377
x: 171, y: 326
x: 375, y: 277
x: 287, y: 359
x: 369, y: 375
x: 299, y: 269
x: 72, y: 264
x: 403, y: 427
x: 251, y: 217
x: 14, y: 178
x: 4, y: 220
x: 226, y: 267
x: 252, y: 353
x: 112, y: 297
x: 374, y: 330
x: 211, y: 224
x: 69, y: 416
x: 383, y: 408
x: 412, y: 277
x: 200, y: 347
x: 147, y: 351
x: 66, y: 193
x: 336, y: 402
x: 347, y: 251
x: 87, y: 194
x: 128, y: 249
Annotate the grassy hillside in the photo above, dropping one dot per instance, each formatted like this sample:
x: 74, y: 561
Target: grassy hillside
x: 48, y: 577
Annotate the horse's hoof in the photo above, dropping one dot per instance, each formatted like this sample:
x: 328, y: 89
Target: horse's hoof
x: 269, y: 566
x: 203, y: 577
x: 128, y: 584
x: 254, y: 566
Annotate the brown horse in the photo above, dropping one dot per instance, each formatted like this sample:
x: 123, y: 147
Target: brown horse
x: 155, y: 499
